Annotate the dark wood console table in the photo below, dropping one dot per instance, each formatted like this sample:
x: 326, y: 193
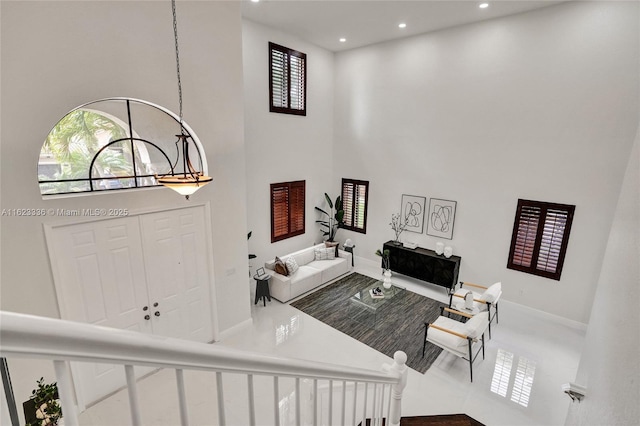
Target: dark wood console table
x: 424, y: 264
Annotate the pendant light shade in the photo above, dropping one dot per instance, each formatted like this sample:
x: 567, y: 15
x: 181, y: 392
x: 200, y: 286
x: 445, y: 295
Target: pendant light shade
x: 190, y: 180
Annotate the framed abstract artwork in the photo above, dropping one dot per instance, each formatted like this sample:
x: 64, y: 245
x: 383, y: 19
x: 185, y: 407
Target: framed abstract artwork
x: 440, y: 219
x: 412, y: 210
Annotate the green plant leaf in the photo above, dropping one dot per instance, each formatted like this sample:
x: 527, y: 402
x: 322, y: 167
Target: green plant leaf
x: 326, y: 196
x: 322, y: 211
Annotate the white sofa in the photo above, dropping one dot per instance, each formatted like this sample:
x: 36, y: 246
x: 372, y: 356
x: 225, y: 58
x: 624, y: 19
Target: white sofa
x: 310, y: 274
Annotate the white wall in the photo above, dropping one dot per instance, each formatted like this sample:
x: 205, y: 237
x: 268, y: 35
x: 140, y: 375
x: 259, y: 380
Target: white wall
x: 282, y: 147
x: 541, y: 105
x: 58, y: 55
x: 609, y: 365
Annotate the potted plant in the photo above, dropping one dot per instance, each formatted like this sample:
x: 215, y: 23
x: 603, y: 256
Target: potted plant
x: 43, y: 407
x: 398, y: 226
x: 334, y: 220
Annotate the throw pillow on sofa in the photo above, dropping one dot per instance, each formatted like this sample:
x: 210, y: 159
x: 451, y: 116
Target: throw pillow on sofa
x: 332, y: 244
x: 325, y: 253
x: 292, y: 265
x: 280, y: 267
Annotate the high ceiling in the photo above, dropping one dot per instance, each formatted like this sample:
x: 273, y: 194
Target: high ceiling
x: 363, y: 22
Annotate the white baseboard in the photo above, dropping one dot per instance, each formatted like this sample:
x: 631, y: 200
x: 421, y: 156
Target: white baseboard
x: 234, y: 329
x: 368, y: 264
x: 557, y: 319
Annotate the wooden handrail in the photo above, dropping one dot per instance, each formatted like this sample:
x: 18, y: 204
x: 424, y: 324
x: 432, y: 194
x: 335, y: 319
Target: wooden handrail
x: 475, y: 300
x: 453, y: 311
x: 462, y: 283
x: 446, y: 330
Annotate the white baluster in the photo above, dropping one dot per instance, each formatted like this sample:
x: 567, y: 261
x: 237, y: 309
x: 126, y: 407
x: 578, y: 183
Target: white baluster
x: 182, y: 398
x: 330, y: 401
x: 252, y: 407
x: 398, y: 366
x: 298, y: 416
x: 364, y: 406
x: 389, y: 404
x: 132, y: 388
x: 65, y: 391
x: 382, y: 389
x: 315, y: 402
x: 276, y: 400
x: 374, y: 407
x: 221, y: 417
x: 344, y: 401
x: 355, y: 400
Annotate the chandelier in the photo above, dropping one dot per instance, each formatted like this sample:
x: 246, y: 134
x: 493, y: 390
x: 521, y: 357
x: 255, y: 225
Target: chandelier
x: 190, y: 180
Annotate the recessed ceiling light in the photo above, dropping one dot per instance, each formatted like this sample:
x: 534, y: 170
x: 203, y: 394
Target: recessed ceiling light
x: 342, y: 40
x: 255, y: 1
x: 483, y: 5
x: 402, y: 25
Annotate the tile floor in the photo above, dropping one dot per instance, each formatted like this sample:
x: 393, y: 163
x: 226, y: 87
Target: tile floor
x: 518, y: 383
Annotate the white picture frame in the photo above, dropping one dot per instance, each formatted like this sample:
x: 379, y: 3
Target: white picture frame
x: 441, y: 218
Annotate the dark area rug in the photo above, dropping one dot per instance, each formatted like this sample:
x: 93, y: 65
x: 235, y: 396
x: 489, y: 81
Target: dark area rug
x: 399, y: 325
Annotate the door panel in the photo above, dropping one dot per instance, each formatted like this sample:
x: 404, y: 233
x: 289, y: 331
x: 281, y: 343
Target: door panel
x: 175, y: 253
x: 101, y: 280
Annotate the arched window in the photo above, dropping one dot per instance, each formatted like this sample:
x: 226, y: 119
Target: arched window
x: 113, y: 144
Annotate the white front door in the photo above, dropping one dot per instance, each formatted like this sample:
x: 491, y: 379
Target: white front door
x: 175, y: 258
x: 106, y: 272
x: 101, y: 280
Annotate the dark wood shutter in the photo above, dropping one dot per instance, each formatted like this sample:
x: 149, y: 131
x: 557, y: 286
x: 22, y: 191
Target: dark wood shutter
x: 354, y: 203
x: 287, y: 210
x: 287, y: 80
x: 296, y: 203
x: 540, y: 237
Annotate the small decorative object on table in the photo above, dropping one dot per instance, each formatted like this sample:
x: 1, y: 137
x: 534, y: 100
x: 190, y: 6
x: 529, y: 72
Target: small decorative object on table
x: 376, y: 293
x: 410, y: 245
x: 387, y: 279
x: 448, y: 252
x: 439, y: 248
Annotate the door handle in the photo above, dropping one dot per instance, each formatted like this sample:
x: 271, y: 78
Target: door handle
x: 147, y: 317
x: 156, y: 313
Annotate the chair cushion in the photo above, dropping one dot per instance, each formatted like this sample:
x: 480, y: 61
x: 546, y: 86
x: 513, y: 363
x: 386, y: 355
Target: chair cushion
x: 446, y: 340
x: 475, y: 326
x: 292, y: 265
x: 332, y: 244
x: 492, y: 294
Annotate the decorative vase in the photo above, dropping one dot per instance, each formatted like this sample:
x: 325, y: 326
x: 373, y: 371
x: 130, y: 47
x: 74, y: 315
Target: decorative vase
x: 448, y: 251
x: 439, y: 248
x: 387, y: 279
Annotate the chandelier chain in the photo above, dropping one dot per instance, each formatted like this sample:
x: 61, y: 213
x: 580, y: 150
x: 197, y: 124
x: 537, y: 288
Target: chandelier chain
x: 175, y: 36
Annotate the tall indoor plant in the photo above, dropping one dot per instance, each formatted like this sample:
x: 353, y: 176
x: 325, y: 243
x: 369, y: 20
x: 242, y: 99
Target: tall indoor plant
x: 334, y: 220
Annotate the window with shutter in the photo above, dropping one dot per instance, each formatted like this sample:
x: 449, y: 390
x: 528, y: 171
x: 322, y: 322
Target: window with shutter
x: 287, y: 210
x: 540, y: 236
x: 287, y: 80
x: 354, y: 202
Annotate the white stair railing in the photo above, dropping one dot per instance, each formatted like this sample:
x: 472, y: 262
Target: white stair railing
x: 63, y: 341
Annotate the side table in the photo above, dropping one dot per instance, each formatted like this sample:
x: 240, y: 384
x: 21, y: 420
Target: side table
x: 262, y: 289
x: 349, y: 249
